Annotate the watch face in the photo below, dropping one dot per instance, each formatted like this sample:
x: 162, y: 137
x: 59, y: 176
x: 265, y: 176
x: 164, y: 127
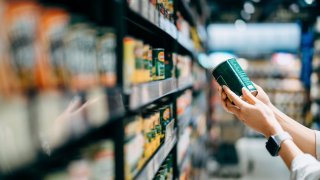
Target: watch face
x: 272, y: 146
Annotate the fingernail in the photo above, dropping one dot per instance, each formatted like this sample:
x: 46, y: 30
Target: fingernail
x: 224, y: 87
x: 244, y: 89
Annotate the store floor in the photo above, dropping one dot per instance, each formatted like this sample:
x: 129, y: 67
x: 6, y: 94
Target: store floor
x: 255, y: 163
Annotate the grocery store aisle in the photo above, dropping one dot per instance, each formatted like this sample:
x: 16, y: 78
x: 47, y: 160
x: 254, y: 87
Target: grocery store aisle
x: 252, y: 154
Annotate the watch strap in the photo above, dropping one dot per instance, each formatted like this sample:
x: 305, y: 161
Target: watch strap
x: 279, y: 138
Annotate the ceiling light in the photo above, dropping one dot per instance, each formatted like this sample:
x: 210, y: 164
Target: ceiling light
x: 245, y: 15
x: 249, y: 8
x: 309, y: 2
x: 294, y: 8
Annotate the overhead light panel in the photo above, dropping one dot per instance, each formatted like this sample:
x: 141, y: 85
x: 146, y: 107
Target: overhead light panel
x: 294, y: 8
x: 245, y: 15
x: 309, y: 2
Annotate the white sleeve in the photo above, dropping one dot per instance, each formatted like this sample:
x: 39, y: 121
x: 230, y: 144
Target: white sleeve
x: 317, y: 144
x: 305, y: 167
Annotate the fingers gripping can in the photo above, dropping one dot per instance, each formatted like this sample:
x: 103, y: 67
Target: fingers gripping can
x: 230, y: 73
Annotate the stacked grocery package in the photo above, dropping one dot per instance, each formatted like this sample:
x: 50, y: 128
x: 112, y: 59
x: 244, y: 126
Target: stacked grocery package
x: 83, y: 96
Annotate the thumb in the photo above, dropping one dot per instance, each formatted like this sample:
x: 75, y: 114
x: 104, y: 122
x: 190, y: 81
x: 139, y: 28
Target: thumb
x: 257, y: 86
x: 248, y: 96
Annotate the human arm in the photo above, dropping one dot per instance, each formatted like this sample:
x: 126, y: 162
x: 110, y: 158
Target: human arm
x: 303, y: 137
x: 260, y: 117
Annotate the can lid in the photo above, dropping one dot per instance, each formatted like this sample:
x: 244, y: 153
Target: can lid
x: 217, y: 63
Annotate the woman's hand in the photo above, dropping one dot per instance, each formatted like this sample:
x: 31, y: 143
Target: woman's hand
x: 253, y: 112
x: 262, y: 95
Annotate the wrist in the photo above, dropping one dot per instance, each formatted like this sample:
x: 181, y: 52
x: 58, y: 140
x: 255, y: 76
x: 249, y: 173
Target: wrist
x: 273, y: 130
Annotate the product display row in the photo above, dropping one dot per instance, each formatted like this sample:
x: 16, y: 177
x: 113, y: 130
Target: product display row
x: 313, y: 115
x: 281, y: 83
x: 95, y: 162
x: 68, y: 53
x: 83, y: 96
x: 145, y: 134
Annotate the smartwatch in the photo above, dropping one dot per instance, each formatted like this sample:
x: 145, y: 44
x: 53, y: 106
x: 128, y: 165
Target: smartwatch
x: 274, y: 142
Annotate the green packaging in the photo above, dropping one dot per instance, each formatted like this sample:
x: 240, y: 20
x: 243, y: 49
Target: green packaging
x: 168, y: 65
x: 158, y: 63
x: 231, y: 74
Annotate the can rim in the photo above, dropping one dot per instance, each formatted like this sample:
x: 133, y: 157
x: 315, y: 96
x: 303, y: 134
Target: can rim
x: 221, y: 63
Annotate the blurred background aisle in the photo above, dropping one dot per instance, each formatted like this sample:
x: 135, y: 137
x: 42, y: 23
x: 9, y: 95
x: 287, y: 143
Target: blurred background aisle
x: 123, y: 89
x: 254, y: 163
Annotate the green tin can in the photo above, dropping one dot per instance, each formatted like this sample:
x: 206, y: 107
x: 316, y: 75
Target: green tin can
x: 230, y: 73
x: 158, y: 63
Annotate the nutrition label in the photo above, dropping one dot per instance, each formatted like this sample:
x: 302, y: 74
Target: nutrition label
x: 242, y: 75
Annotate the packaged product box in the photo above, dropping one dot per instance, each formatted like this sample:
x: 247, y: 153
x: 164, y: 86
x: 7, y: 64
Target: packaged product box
x: 102, y: 159
x: 3, y: 55
x: 145, y: 8
x: 81, y: 55
x: 168, y: 64
x: 79, y: 169
x: 53, y: 122
x: 152, y: 13
x: 51, y: 67
x: 129, y: 62
x: 139, y: 63
x: 17, y: 147
x: 150, y: 60
x: 21, y: 19
x: 106, y: 57
x: 135, y: 5
x: 230, y: 73
x: 158, y: 63
x: 147, y: 67
x: 96, y: 107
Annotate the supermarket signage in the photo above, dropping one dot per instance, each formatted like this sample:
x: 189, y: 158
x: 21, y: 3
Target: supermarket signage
x: 254, y: 39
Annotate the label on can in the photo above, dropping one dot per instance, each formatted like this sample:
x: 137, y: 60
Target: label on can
x: 150, y: 64
x: 231, y: 74
x: 168, y: 65
x: 158, y: 63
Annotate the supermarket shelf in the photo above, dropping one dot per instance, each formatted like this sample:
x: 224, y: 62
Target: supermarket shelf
x: 144, y: 94
x: 161, y: 30
x: 185, y: 83
x: 59, y: 157
x: 186, y: 44
x: 166, y: 30
x: 65, y: 152
x: 154, y: 164
x: 185, y: 119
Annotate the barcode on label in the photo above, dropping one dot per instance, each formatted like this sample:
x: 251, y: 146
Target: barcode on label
x: 250, y: 87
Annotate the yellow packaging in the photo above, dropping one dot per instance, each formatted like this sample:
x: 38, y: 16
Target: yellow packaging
x: 146, y: 65
x: 129, y: 62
